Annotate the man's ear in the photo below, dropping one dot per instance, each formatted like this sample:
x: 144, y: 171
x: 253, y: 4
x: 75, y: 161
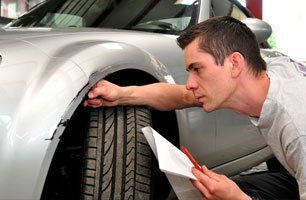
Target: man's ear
x: 238, y: 62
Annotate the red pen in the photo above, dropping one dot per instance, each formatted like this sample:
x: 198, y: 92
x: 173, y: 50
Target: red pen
x: 191, y: 158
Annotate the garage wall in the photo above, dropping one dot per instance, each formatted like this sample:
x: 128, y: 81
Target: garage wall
x: 288, y: 20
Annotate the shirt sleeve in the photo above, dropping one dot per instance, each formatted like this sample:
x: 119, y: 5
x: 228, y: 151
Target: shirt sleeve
x: 296, y: 159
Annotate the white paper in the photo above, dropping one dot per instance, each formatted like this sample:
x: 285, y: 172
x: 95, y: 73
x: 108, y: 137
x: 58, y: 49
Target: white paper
x: 174, y: 163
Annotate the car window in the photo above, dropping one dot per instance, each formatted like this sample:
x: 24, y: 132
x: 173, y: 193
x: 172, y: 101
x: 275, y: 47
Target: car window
x: 164, y: 16
x: 226, y: 8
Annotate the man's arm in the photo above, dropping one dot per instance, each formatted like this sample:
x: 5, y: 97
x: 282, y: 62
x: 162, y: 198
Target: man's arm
x: 160, y: 96
x: 296, y: 159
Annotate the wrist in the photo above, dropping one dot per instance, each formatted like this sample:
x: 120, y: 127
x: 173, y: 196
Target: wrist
x: 126, y: 95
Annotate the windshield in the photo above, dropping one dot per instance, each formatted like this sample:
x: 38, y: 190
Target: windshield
x: 165, y: 16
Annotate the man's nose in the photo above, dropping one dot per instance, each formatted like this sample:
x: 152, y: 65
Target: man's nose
x: 191, y: 82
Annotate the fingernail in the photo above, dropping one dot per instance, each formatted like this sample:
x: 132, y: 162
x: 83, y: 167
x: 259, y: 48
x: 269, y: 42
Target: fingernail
x: 90, y: 94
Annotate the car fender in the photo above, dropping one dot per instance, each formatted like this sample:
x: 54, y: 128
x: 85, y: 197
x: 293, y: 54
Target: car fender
x: 97, y: 60
x: 94, y: 56
x: 51, y: 93
x: 100, y: 64
x: 40, y: 91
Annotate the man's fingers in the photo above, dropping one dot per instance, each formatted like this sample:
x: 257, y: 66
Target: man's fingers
x: 97, y: 91
x: 96, y: 101
x: 103, y: 93
x: 91, y: 95
x: 211, y: 174
x: 203, y: 178
x: 208, y: 182
x: 102, y: 83
x: 199, y: 186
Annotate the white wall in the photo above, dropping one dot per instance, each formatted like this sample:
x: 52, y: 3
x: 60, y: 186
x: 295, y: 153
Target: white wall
x: 288, y: 20
x: 243, y: 2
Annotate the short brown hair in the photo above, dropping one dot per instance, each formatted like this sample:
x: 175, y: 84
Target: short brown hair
x: 221, y: 36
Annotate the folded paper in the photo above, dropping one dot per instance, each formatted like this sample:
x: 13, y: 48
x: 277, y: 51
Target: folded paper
x: 174, y: 163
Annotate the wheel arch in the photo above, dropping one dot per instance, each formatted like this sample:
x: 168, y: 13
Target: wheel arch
x: 165, y: 122
x: 121, y: 63
x: 124, y: 77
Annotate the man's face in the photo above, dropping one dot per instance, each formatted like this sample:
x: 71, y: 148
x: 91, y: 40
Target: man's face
x: 211, y: 84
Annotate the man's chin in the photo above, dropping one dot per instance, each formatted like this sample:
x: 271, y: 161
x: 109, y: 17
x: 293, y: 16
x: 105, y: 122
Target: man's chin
x: 208, y: 108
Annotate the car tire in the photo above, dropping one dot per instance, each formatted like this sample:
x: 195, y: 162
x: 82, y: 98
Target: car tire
x: 117, y: 158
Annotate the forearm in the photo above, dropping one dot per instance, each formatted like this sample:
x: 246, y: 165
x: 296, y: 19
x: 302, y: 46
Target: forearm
x: 160, y: 96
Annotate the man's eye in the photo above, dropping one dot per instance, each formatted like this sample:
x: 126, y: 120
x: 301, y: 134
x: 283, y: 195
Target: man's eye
x: 196, y: 70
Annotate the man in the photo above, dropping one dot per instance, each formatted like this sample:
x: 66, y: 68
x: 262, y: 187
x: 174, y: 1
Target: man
x: 227, y: 71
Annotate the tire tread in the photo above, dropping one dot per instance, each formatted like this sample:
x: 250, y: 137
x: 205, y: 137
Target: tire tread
x: 117, y: 157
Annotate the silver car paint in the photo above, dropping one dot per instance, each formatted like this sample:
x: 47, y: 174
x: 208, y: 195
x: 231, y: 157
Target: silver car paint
x: 29, y: 113
x: 36, y: 100
x: 55, y: 68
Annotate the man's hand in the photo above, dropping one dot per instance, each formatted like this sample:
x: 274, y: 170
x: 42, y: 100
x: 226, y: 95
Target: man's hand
x: 216, y: 186
x: 103, y: 93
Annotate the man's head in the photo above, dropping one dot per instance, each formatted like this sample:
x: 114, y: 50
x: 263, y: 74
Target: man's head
x: 220, y: 54
x: 221, y: 36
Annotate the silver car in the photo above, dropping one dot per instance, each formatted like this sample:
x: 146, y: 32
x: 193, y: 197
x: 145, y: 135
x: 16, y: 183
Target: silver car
x: 51, y: 147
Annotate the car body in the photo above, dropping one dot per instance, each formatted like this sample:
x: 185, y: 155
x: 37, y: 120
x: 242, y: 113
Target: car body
x: 47, y: 68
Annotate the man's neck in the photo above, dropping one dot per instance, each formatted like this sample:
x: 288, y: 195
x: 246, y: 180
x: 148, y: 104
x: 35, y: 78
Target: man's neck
x: 251, y: 94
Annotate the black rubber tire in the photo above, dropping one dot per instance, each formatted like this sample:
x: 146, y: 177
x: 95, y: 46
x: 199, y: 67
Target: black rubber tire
x: 117, y: 158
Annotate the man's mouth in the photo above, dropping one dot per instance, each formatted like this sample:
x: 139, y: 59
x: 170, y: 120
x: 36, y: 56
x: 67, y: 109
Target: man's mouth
x: 199, y: 98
